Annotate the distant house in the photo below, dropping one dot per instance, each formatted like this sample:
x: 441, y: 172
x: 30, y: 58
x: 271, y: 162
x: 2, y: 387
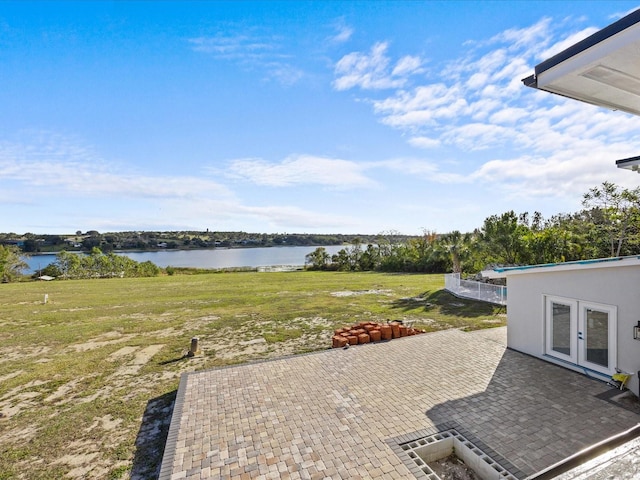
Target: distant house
x: 580, y: 315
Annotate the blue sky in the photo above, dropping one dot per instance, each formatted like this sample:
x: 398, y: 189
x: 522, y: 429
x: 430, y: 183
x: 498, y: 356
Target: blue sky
x: 326, y: 117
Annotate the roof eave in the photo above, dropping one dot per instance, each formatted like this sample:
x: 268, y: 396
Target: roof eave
x: 590, y: 41
x: 632, y: 163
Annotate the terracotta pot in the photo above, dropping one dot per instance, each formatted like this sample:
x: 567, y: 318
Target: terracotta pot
x: 339, y: 342
x: 385, y: 331
x: 368, y: 328
x: 403, y: 331
x: 375, y: 335
x: 395, y: 330
x: 363, y: 338
x: 352, y: 339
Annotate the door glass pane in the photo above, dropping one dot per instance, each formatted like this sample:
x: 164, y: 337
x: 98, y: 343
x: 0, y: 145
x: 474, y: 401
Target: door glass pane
x: 561, y: 328
x: 597, y: 326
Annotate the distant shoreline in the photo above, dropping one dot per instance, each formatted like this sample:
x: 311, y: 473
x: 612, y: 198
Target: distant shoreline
x: 149, y: 250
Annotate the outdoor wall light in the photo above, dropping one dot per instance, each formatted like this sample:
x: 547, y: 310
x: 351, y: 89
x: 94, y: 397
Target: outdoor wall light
x: 636, y: 331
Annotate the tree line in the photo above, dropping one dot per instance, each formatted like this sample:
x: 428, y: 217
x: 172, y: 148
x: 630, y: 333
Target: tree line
x: 607, y: 226
x: 184, y: 240
x: 76, y: 266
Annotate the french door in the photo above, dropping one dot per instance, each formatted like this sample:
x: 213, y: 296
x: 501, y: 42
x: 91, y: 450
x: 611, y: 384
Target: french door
x: 582, y: 333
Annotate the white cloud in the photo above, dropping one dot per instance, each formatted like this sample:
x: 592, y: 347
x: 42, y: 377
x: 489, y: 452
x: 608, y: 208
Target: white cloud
x: 424, y: 142
x: 479, y: 104
x: 47, y: 172
x: 408, y: 65
x: 566, y: 43
x: 251, y: 51
x: 558, y: 175
x: 528, y: 37
x: 301, y: 170
x: 343, y: 32
x: 291, y: 216
x: 425, y: 105
x: 56, y: 165
x: 234, y: 47
x: 508, y: 115
x: 420, y: 168
x: 373, y: 71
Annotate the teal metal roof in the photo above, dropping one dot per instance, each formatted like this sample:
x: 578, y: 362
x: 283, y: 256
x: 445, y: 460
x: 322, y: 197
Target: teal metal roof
x: 577, y: 262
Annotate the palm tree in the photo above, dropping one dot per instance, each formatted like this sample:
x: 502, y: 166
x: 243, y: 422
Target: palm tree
x: 456, y: 245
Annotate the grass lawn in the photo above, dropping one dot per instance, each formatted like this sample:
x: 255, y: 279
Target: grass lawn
x: 88, y: 379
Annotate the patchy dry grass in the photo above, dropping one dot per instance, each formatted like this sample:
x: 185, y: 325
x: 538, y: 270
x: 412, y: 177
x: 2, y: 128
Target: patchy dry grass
x: 88, y: 380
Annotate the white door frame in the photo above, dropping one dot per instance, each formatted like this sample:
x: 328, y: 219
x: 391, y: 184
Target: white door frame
x: 583, y: 336
x: 572, y: 355
x: 580, y: 325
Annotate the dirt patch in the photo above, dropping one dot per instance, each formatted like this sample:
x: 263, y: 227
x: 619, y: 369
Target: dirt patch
x: 123, y: 352
x: 107, y: 423
x: 140, y: 359
x: 350, y: 293
x: 251, y: 341
x: 452, y: 468
x: 98, y: 343
x: 62, y: 393
x: 9, y: 376
x: 16, y: 353
x: 20, y: 398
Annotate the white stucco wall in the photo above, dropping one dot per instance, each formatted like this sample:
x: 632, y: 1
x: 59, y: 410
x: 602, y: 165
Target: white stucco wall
x: 611, y: 285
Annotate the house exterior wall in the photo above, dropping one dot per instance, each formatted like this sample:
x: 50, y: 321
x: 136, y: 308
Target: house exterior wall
x: 618, y: 286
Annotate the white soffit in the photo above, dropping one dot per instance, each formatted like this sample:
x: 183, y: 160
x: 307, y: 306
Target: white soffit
x: 607, y: 73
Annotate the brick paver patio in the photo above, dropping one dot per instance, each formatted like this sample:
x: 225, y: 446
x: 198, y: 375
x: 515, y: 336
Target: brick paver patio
x: 337, y: 414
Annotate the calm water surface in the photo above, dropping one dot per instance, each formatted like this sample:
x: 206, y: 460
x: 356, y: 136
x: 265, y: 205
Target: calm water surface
x: 218, y: 258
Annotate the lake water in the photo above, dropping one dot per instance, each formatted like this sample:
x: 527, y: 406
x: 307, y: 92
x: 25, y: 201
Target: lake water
x: 218, y: 258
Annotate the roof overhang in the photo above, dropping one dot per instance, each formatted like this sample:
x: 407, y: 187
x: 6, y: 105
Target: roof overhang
x: 603, y: 69
x: 632, y: 163
x: 613, y: 262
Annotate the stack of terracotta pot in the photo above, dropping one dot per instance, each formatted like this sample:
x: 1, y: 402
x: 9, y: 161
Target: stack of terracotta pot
x: 366, y: 332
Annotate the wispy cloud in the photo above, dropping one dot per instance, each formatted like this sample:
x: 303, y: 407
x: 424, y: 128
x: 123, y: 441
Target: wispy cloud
x: 301, y: 170
x: 52, y: 164
x: 252, y: 51
x: 566, y: 43
x: 374, y: 70
x: 236, y: 47
x: 343, y: 32
x: 49, y: 171
x: 419, y: 168
x: 478, y: 103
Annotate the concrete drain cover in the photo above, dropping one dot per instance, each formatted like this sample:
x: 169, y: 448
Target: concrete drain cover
x: 428, y: 449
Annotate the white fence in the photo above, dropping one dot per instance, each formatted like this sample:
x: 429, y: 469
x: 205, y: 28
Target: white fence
x: 485, y: 292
